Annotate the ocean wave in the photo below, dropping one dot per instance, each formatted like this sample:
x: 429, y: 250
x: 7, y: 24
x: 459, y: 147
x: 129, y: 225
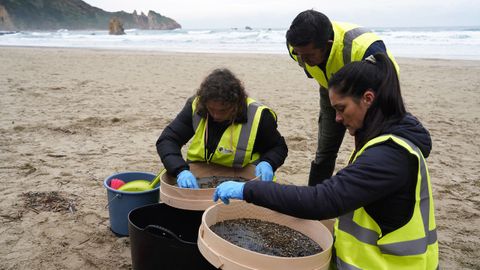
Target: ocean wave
x: 413, y: 42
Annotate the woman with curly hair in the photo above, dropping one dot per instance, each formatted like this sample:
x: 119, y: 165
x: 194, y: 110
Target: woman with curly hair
x: 226, y: 127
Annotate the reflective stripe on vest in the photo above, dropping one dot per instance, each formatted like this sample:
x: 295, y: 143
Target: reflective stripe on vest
x: 348, y: 38
x: 350, y: 44
x: 242, y: 143
x: 406, y: 245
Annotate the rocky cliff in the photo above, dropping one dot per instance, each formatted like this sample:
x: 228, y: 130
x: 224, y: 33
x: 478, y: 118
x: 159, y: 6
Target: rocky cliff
x: 18, y: 15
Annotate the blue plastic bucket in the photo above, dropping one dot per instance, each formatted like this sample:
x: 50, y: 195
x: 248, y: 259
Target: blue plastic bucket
x: 120, y: 203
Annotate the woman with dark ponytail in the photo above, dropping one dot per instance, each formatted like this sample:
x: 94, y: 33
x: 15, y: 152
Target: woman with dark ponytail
x: 382, y: 200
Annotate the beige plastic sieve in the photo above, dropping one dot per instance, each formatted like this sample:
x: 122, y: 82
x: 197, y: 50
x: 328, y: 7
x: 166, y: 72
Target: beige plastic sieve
x: 198, y: 199
x: 225, y: 255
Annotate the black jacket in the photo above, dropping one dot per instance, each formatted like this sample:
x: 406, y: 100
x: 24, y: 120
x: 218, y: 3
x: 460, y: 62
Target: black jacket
x: 269, y: 143
x: 382, y: 179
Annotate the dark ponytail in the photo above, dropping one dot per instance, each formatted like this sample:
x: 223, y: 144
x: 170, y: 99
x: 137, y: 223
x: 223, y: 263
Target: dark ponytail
x: 376, y: 73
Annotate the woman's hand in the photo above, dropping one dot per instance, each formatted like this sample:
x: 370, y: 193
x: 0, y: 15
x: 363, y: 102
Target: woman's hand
x: 264, y: 170
x: 186, y: 179
x: 228, y: 190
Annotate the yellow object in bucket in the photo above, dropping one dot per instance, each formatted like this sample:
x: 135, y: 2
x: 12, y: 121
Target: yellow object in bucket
x: 141, y: 185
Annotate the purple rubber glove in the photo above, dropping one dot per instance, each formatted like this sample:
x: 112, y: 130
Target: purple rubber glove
x: 228, y: 190
x: 264, y: 170
x: 186, y: 179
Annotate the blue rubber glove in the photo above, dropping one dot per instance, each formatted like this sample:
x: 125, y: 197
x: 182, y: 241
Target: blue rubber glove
x: 264, y: 170
x: 228, y: 190
x: 185, y: 179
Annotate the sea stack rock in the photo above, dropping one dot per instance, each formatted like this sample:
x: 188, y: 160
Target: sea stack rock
x: 115, y: 27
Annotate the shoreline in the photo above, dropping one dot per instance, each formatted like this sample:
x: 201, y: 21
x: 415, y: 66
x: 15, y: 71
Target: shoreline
x: 71, y: 117
x: 135, y: 50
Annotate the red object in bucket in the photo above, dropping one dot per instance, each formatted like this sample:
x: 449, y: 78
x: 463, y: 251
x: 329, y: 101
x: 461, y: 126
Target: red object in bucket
x: 116, y: 183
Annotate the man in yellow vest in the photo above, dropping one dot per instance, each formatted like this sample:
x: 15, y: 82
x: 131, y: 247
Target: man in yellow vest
x: 225, y: 127
x: 321, y: 47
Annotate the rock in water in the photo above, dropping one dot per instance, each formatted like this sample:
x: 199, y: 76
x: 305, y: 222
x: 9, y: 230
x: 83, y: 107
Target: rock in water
x: 115, y: 27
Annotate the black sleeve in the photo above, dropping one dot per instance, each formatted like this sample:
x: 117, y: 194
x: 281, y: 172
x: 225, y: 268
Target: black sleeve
x: 376, y: 47
x: 378, y: 173
x: 173, y: 137
x: 269, y: 142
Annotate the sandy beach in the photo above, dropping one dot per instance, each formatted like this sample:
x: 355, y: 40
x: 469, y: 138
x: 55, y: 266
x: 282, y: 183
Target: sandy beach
x: 72, y: 117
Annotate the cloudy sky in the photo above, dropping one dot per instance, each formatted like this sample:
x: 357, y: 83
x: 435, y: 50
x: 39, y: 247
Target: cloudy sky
x: 195, y: 14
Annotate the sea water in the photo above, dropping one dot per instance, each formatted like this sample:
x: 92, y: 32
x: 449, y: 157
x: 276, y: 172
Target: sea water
x: 437, y: 42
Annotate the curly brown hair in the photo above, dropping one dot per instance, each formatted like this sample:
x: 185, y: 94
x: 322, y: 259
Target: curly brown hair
x: 221, y: 85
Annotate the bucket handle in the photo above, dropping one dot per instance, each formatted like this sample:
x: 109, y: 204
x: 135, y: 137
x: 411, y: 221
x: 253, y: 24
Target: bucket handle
x: 165, y: 231
x: 115, y: 197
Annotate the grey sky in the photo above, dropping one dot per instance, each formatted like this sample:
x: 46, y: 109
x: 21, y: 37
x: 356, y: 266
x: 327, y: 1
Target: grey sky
x: 279, y: 13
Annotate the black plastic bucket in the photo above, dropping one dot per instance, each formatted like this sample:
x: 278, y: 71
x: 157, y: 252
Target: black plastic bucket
x: 164, y: 237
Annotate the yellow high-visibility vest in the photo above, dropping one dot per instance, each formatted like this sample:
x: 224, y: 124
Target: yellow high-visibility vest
x: 360, y: 244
